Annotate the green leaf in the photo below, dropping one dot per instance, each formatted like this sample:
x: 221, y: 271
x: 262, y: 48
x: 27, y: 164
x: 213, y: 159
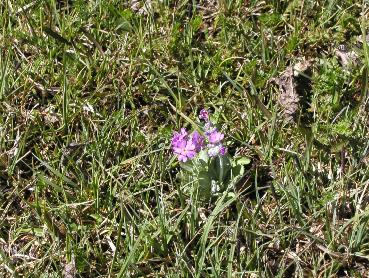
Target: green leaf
x: 219, y: 167
x: 243, y: 160
x: 204, y: 185
x: 187, y: 166
x: 203, y: 155
x: 237, y: 170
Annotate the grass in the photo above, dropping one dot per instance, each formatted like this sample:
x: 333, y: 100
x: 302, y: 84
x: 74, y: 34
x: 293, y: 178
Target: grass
x: 90, y: 93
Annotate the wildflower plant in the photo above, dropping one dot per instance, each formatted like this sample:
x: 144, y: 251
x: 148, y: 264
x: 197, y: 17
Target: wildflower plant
x: 206, y: 167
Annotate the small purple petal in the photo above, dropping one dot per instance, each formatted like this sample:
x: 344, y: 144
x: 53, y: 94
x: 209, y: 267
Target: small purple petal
x: 204, y: 115
x: 179, y: 139
x: 191, y: 154
x: 190, y: 146
x: 186, y: 148
x: 215, y: 137
x: 223, y: 150
x: 178, y: 150
x: 183, y: 132
x: 198, y: 141
x: 213, y: 150
x: 182, y: 158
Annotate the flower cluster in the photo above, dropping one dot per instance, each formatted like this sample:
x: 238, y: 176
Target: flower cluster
x: 187, y: 146
x: 214, y: 137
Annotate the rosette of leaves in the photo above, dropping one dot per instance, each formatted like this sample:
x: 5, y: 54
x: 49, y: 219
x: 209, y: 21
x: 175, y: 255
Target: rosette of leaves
x: 207, y: 177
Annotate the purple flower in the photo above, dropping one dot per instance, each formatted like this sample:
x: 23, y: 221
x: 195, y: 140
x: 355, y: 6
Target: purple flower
x: 184, y: 147
x: 197, y: 140
x: 179, y: 138
x: 204, y: 115
x: 215, y: 137
x: 223, y: 150
x: 185, y: 151
x: 213, y: 150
